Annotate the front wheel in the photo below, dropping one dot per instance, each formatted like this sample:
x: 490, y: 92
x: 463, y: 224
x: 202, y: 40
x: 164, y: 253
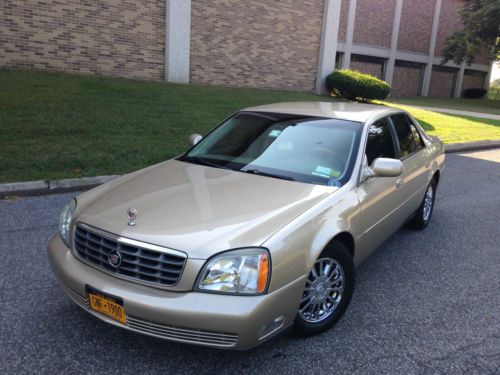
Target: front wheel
x: 328, y: 291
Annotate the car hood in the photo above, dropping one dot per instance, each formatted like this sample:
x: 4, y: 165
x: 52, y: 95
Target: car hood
x: 196, y: 209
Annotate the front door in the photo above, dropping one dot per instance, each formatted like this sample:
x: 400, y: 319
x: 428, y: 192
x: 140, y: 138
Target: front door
x: 380, y: 197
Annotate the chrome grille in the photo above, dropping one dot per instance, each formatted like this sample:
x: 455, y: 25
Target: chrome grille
x: 139, y: 261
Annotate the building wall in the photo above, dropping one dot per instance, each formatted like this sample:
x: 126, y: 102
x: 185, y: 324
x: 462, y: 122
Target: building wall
x: 268, y: 44
x: 473, y: 81
x: 442, y: 83
x: 344, y: 9
x: 367, y: 67
x: 373, y: 23
x: 258, y: 43
x: 449, y: 22
x: 111, y: 37
x: 406, y: 81
x: 416, y: 25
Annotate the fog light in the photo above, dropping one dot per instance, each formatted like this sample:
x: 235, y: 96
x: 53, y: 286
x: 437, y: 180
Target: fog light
x: 272, y: 327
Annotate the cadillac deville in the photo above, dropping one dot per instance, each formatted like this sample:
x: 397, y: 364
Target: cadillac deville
x: 256, y: 229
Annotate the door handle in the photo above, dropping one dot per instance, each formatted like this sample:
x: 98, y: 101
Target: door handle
x: 399, y: 183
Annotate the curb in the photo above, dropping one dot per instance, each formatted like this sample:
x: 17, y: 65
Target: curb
x: 41, y: 187
x: 471, y: 146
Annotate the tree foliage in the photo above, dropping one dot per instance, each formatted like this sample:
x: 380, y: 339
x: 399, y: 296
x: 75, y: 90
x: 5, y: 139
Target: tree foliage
x: 481, y: 20
x: 495, y: 83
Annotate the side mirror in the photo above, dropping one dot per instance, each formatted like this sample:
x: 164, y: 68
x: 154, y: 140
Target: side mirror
x: 386, y: 167
x: 194, y: 139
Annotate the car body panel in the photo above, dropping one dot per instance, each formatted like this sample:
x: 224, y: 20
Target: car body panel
x: 243, y: 316
x: 202, y: 211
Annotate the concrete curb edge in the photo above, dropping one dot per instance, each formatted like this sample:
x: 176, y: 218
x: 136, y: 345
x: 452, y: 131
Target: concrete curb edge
x: 41, y: 187
x: 471, y: 146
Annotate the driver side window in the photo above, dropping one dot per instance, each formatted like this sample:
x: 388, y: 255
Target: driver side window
x: 380, y: 142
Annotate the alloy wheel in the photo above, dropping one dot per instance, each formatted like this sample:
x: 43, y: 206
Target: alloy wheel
x: 323, y: 291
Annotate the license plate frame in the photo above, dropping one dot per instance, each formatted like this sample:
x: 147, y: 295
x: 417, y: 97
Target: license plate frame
x: 106, y: 304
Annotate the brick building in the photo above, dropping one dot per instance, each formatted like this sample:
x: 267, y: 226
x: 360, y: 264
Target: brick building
x: 285, y: 44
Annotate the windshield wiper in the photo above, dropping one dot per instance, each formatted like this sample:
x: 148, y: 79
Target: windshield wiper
x: 198, y: 160
x: 260, y: 173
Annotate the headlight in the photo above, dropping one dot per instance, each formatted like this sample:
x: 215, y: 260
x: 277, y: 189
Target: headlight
x: 65, y: 221
x: 245, y: 271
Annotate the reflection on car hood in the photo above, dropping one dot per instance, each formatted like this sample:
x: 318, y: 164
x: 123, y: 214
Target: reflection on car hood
x: 196, y: 209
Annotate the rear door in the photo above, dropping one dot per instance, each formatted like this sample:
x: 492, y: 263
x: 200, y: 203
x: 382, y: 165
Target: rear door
x: 415, y: 162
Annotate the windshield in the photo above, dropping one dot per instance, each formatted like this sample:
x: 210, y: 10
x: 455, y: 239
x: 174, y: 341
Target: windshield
x: 312, y: 150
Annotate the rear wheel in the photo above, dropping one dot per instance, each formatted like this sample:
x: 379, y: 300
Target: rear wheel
x: 327, y: 292
x: 423, y: 215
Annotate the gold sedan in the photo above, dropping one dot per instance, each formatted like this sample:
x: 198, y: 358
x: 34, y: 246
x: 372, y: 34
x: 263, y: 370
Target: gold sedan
x: 256, y: 229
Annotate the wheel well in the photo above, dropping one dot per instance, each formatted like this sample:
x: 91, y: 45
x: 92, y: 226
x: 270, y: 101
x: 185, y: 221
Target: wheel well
x: 347, y: 240
x: 436, y: 176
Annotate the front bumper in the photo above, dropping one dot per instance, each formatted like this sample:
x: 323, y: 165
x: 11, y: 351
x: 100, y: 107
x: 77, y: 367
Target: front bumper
x: 222, y: 321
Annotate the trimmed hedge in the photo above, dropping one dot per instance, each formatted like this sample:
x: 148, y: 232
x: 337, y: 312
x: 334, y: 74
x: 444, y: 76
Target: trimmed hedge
x: 354, y: 85
x: 474, y: 93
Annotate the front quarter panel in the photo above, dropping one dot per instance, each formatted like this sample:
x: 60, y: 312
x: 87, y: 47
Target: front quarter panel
x: 295, y: 248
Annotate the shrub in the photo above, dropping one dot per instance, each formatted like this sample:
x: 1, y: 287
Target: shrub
x: 354, y: 85
x: 474, y: 93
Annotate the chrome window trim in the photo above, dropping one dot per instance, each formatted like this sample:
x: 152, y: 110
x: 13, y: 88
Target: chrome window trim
x: 128, y: 241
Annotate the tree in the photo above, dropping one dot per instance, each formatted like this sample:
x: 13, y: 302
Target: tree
x: 495, y: 83
x: 481, y: 19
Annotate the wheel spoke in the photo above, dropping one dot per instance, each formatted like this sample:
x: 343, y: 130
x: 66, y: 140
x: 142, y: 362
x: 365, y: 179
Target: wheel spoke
x: 314, y: 272
x: 308, y: 304
x: 327, y: 269
x: 304, y: 299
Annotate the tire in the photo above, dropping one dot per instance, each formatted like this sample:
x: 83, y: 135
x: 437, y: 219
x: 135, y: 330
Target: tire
x: 423, y: 214
x: 340, y: 277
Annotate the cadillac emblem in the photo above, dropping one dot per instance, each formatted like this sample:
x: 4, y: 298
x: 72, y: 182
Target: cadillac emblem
x: 132, y: 214
x: 115, y: 259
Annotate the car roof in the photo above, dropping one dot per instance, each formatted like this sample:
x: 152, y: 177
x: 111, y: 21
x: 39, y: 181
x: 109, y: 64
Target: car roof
x: 341, y: 110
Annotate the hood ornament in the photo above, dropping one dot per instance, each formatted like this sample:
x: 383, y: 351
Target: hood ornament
x: 132, y: 215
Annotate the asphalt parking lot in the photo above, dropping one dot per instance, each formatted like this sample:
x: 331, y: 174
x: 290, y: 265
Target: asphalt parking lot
x: 425, y: 302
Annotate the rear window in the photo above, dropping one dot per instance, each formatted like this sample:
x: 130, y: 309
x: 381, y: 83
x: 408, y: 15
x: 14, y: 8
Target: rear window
x: 408, y: 137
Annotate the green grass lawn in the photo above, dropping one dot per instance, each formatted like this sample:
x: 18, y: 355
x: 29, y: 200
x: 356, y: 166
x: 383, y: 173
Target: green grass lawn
x: 61, y: 126
x: 486, y: 105
x: 452, y: 128
x: 494, y: 94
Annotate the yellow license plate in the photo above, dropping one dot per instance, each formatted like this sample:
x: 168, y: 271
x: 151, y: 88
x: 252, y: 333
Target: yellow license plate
x: 108, y: 305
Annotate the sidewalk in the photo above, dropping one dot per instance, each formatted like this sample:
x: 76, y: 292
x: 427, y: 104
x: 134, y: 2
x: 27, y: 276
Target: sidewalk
x: 488, y: 116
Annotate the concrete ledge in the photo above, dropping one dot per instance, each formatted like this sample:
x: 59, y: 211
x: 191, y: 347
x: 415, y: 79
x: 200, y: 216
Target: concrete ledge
x: 471, y: 146
x: 52, y: 186
x: 24, y: 188
x: 79, y: 183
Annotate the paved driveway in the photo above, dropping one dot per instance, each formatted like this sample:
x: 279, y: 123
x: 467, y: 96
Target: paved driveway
x: 426, y: 302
